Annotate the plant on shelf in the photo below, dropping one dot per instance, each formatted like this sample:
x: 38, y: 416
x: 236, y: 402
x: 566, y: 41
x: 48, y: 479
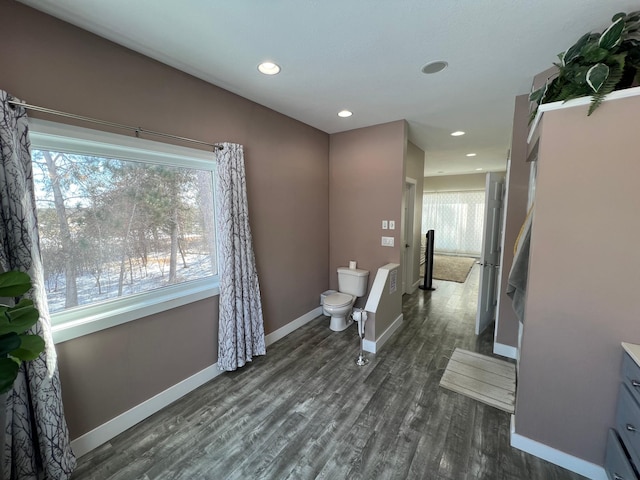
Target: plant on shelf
x: 16, y: 345
x: 596, y: 65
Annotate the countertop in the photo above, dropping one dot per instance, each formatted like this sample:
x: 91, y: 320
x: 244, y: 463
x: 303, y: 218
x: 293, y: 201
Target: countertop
x: 633, y: 350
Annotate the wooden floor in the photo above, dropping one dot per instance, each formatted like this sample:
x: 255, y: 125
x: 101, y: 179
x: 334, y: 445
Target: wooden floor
x: 306, y: 411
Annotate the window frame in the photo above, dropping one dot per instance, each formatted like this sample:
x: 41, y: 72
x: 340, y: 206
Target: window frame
x: 86, y: 319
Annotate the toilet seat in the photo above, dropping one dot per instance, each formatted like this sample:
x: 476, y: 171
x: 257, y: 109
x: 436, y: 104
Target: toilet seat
x: 338, y: 300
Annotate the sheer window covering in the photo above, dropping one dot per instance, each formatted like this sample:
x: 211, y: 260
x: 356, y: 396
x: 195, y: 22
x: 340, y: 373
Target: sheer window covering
x: 458, y: 220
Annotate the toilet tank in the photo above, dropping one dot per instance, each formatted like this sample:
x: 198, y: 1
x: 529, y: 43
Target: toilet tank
x: 353, y: 281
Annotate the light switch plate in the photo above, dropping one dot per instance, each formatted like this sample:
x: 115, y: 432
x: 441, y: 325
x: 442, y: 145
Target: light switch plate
x: 392, y: 225
x: 384, y: 224
x: 387, y: 241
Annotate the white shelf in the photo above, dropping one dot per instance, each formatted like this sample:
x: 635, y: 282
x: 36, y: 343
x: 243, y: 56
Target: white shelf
x: 577, y: 102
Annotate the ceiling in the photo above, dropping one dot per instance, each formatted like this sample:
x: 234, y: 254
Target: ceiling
x: 362, y: 55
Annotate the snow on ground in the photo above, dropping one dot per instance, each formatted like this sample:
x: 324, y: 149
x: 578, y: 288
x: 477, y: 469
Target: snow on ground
x: 156, y: 275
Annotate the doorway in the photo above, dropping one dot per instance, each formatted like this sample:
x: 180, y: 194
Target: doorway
x: 408, y: 252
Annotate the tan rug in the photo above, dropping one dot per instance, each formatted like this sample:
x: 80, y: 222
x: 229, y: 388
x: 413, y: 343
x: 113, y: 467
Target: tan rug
x: 482, y: 378
x: 450, y: 268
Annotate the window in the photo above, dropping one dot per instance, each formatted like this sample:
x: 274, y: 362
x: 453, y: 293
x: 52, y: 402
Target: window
x: 457, y: 218
x: 126, y: 226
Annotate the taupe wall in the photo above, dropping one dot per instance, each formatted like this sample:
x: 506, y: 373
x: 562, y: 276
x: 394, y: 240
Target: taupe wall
x: 366, y: 181
x: 455, y: 183
x: 56, y: 65
x: 108, y: 372
x: 414, y: 168
x: 582, y: 298
x: 516, y: 212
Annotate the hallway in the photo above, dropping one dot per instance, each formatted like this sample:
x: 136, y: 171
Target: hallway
x: 306, y: 411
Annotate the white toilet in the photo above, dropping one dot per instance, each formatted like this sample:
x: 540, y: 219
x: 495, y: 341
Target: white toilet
x: 352, y: 283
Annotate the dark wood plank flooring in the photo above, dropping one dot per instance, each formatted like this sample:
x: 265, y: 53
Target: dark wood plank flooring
x: 306, y: 411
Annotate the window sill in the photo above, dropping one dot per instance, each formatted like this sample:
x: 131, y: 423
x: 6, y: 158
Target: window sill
x: 81, y: 321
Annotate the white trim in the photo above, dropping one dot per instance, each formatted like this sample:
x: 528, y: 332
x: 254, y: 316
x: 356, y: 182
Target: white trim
x: 84, y: 320
x: 369, y: 346
x: 577, y: 102
x: 131, y: 417
x: 55, y: 136
x: 291, y: 326
x: 374, y: 347
x: 415, y: 286
x: 562, y: 459
x: 505, y: 350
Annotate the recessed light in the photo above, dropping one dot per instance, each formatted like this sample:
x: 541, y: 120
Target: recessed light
x: 478, y: 169
x: 434, y: 67
x: 269, y: 68
x: 457, y: 133
x: 344, y: 113
x: 471, y: 154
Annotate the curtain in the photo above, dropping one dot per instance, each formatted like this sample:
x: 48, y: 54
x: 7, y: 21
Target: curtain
x: 241, y: 327
x: 37, y: 440
x: 458, y: 221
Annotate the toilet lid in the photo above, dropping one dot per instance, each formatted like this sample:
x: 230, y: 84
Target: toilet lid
x: 338, y: 299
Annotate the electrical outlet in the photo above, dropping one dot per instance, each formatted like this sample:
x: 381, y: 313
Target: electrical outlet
x: 384, y: 225
x: 387, y: 241
x: 392, y: 225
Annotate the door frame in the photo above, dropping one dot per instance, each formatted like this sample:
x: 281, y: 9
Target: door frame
x: 408, y: 234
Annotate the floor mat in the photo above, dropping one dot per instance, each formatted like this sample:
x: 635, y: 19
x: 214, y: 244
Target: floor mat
x: 482, y: 378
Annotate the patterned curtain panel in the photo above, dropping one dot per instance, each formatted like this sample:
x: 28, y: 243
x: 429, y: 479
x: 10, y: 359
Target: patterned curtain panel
x: 37, y: 440
x: 458, y: 221
x: 241, y: 329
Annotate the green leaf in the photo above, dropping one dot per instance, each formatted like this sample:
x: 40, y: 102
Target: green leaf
x: 592, y: 53
x: 8, y: 374
x: 24, y: 302
x: 20, y: 320
x: 538, y: 95
x: 618, y: 16
x: 612, y: 36
x: 31, y: 346
x: 8, y: 343
x: 574, y: 51
x: 14, y: 284
x: 597, y: 75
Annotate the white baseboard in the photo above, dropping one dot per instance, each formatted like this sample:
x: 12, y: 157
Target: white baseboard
x: 373, y: 347
x: 505, y: 350
x: 291, y: 326
x: 562, y: 459
x: 369, y: 346
x: 128, y: 419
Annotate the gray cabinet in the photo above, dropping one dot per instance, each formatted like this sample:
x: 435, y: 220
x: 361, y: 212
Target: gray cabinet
x: 622, y: 460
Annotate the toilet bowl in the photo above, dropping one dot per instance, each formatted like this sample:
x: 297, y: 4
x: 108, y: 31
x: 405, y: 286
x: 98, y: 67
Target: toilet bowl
x: 338, y: 306
x: 352, y: 283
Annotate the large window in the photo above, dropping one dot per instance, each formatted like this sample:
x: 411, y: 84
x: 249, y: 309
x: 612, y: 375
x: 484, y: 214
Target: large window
x: 457, y: 219
x: 126, y: 225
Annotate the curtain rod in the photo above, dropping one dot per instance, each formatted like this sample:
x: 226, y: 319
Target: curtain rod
x: 138, y: 130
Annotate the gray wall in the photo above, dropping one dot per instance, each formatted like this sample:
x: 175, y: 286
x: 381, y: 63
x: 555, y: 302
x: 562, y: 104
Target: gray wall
x: 53, y: 64
x: 582, y: 297
x: 516, y: 212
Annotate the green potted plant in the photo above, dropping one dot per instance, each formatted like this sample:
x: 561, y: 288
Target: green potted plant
x: 596, y: 65
x: 16, y: 345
